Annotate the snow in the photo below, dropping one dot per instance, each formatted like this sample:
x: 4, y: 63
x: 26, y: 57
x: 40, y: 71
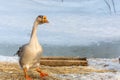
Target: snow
x: 100, y: 64
x: 8, y: 59
x: 91, y: 76
x: 110, y: 64
x: 94, y: 63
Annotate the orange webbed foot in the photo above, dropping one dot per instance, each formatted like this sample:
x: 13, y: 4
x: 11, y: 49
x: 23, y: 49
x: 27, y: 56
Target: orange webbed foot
x: 43, y: 74
x: 27, y: 77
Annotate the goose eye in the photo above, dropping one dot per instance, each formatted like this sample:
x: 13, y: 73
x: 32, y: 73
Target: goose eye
x: 44, y: 18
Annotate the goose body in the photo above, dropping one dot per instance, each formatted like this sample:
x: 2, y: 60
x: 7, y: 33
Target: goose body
x: 29, y: 55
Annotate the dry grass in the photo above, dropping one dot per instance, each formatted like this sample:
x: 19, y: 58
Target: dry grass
x: 12, y: 71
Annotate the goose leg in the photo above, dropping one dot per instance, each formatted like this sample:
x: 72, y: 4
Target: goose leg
x: 42, y: 74
x: 26, y: 75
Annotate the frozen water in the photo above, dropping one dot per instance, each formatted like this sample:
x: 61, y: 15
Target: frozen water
x: 71, y: 22
x: 78, y: 22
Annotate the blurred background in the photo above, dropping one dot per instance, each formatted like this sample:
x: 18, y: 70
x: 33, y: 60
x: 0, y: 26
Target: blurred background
x: 85, y: 28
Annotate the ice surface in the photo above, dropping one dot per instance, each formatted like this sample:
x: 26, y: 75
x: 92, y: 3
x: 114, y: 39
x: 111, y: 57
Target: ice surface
x: 71, y: 22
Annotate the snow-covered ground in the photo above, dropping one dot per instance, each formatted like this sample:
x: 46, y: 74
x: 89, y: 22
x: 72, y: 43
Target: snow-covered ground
x: 100, y: 64
x: 112, y: 65
x: 91, y: 76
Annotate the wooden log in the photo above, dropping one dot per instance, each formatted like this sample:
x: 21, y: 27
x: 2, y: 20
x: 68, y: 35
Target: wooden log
x: 63, y: 61
x: 63, y: 58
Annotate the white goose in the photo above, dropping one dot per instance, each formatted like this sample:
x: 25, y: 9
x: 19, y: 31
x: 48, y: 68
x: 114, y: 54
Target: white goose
x: 29, y: 54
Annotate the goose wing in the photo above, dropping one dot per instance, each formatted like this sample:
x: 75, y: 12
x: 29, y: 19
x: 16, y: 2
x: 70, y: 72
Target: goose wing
x: 20, y: 50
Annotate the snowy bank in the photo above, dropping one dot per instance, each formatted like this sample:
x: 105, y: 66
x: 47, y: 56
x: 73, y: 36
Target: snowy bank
x: 98, y: 68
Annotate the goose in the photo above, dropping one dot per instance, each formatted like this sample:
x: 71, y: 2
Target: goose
x: 30, y: 53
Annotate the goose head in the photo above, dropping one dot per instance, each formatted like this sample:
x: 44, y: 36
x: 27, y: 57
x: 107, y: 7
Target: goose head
x: 41, y: 19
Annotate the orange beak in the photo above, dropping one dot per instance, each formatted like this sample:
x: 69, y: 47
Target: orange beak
x: 46, y: 21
